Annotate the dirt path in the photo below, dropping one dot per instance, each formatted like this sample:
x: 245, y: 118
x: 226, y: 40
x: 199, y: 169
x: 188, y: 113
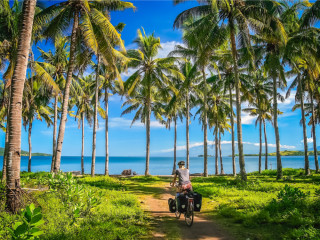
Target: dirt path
x: 202, y: 228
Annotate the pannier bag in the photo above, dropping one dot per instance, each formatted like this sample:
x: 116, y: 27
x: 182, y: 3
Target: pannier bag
x: 172, y: 205
x: 182, y: 203
x: 197, y: 198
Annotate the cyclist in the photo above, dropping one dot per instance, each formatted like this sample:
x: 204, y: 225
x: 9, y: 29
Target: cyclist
x: 183, y: 175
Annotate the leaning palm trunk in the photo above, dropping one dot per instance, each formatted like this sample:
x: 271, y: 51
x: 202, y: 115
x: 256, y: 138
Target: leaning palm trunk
x: 95, y: 122
x: 30, y: 146
x: 220, y: 153
x: 82, y: 144
x: 315, y: 150
x: 266, y: 145
x: 238, y: 103
x: 54, y: 141
x: 305, y: 140
x: 15, y: 113
x: 106, y: 103
x: 276, y: 129
x: 260, y: 144
x: 187, y: 128
x: 65, y: 102
x: 6, y: 147
x: 216, y: 155
x: 175, y: 146
x: 205, y: 122
x: 148, y: 105
x: 232, y: 134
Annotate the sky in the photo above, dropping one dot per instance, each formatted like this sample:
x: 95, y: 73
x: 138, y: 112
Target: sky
x: 127, y: 140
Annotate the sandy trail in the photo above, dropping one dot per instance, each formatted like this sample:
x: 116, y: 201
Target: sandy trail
x: 202, y: 228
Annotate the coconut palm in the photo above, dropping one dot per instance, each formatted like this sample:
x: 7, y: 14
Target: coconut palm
x: 91, y: 22
x: 188, y: 89
x: 201, y: 44
x: 83, y: 93
x: 53, y: 69
x: 239, y: 16
x: 15, y: 113
x: 35, y: 103
x: 143, y: 85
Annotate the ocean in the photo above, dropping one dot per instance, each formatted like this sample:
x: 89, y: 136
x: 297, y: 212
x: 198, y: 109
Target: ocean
x: 158, y: 165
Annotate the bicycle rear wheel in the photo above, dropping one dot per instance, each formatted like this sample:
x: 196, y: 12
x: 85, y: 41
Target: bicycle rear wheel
x: 189, y: 215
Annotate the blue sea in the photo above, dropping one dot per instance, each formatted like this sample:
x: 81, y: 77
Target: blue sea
x: 158, y: 165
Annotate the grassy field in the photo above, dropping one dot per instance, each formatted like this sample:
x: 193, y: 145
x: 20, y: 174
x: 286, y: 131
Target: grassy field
x: 88, y: 208
x: 85, y: 208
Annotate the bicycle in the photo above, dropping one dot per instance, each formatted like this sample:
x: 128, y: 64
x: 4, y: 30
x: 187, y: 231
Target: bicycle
x: 189, y: 213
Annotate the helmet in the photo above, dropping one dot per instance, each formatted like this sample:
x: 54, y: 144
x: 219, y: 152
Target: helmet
x: 181, y: 163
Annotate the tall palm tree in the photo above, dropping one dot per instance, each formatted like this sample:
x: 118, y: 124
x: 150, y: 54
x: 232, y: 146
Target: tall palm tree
x: 53, y: 69
x: 201, y: 44
x: 142, y: 86
x: 91, y: 22
x: 15, y: 113
x: 188, y: 89
x: 35, y: 106
x: 83, y: 92
x: 238, y: 15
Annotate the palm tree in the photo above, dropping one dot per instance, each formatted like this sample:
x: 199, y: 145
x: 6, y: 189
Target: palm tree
x: 189, y: 87
x: 35, y: 105
x: 200, y: 48
x: 92, y: 23
x: 143, y: 85
x: 238, y: 15
x: 85, y: 87
x: 15, y: 114
x: 53, y: 69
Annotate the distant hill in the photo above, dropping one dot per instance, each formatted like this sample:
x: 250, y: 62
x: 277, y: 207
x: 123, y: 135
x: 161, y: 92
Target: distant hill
x: 25, y: 153
x: 284, y: 153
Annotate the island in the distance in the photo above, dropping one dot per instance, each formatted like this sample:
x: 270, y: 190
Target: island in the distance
x: 283, y: 153
x: 25, y: 153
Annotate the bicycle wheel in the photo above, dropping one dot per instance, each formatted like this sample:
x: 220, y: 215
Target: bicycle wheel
x: 178, y: 214
x: 189, y: 215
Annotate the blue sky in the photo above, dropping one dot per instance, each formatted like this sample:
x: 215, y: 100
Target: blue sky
x: 158, y: 17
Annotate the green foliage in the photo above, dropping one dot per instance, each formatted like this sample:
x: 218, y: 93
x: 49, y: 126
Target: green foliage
x: 28, y: 226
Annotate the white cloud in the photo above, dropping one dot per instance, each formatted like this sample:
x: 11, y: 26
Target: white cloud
x: 198, y: 144
x: 167, y: 47
x: 309, y: 140
x: 119, y: 122
x: 288, y: 102
x: 247, y: 119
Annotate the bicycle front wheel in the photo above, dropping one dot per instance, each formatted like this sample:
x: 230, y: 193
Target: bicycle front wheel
x: 178, y: 214
x: 189, y: 215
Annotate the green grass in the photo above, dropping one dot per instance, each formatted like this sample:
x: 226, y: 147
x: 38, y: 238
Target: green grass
x: 117, y: 214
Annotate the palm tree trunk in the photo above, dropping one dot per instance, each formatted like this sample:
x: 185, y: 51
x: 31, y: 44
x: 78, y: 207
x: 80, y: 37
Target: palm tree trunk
x: 305, y: 140
x: 315, y: 150
x: 148, y: 130
x: 220, y: 153
x: 205, y: 128
x: 82, y: 144
x: 238, y: 102
x: 106, y: 104
x: 30, y: 146
x: 6, y: 147
x: 266, y: 145
x: 95, y: 121
x: 232, y: 134
x: 216, y: 142
x: 260, y: 144
x: 276, y: 129
x: 65, y: 102
x: 54, y: 141
x: 187, y: 128
x: 175, y: 146
x: 15, y: 114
